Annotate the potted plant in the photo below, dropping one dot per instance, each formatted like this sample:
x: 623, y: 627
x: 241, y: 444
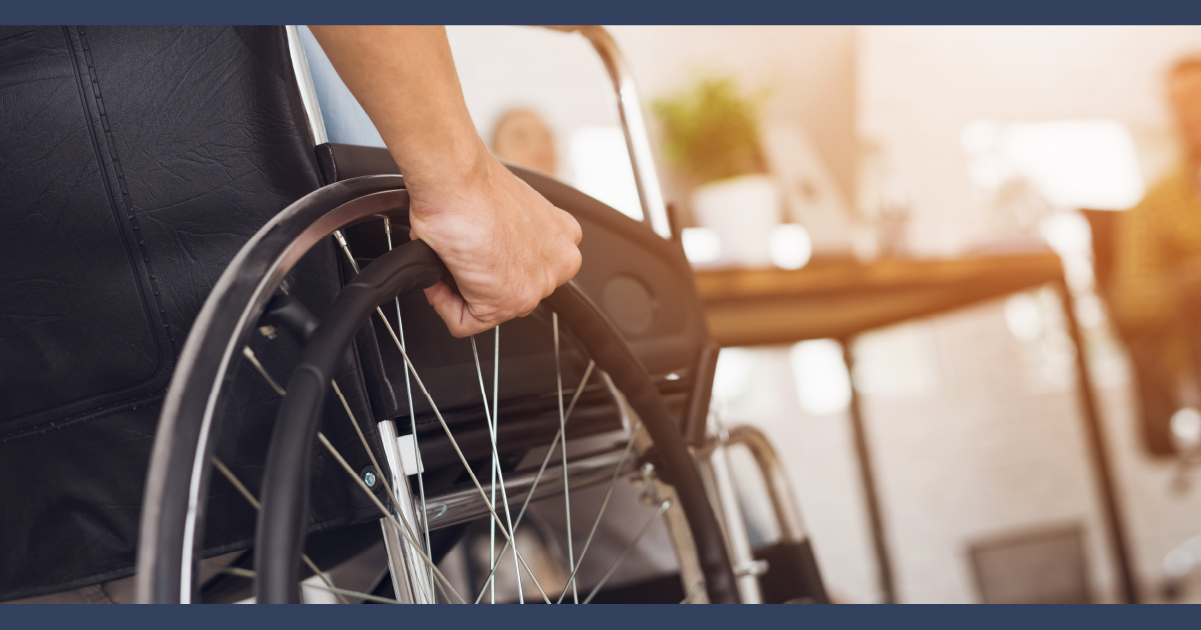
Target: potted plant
x: 711, y: 135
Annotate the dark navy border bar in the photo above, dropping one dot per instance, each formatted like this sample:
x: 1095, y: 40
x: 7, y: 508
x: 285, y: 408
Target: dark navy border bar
x: 597, y: 617
x: 602, y: 11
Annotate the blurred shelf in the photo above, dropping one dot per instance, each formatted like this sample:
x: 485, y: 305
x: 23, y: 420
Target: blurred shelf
x: 773, y: 306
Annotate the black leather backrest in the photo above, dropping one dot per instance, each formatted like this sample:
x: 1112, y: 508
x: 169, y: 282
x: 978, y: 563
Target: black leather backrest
x: 134, y: 163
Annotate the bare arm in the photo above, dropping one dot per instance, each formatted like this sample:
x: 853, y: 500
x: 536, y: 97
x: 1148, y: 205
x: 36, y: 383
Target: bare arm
x: 506, y: 246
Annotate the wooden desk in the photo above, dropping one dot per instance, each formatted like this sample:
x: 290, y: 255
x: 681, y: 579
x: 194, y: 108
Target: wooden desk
x: 771, y: 306
x: 774, y: 306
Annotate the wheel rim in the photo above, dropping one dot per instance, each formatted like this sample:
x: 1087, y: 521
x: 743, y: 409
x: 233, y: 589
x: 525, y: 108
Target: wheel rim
x: 169, y: 530
x: 167, y: 549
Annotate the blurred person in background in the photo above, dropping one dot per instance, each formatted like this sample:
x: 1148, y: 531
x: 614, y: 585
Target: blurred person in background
x: 1155, y: 296
x: 521, y: 137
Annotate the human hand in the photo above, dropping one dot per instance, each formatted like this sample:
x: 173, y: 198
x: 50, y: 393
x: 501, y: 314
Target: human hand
x: 505, y: 245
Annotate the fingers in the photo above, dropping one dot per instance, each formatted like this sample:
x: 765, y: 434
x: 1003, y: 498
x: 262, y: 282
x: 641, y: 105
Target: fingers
x: 573, y: 226
x: 453, y: 310
x: 569, y: 258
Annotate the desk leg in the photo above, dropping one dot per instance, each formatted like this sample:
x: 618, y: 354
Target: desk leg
x: 1098, y: 451
x: 867, y: 476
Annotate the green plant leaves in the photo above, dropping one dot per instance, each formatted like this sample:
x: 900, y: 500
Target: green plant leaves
x: 711, y: 131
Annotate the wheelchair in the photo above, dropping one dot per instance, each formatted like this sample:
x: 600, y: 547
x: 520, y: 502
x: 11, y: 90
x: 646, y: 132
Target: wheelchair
x: 317, y: 405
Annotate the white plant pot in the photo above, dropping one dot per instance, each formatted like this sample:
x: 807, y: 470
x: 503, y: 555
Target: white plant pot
x: 742, y: 210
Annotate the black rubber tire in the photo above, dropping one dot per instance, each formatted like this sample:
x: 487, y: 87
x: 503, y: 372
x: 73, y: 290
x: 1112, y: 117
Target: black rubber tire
x: 171, y: 531
x: 284, y: 518
x: 172, y: 523
x: 283, y: 523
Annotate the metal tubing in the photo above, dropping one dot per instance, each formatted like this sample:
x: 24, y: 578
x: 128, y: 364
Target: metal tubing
x: 779, y: 489
x: 696, y: 417
x: 304, y: 81
x: 461, y: 506
x: 871, y: 497
x: 654, y: 210
x: 1098, y: 458
x: 692, y: 577
x: 410, y: 577
x: 739, y: 542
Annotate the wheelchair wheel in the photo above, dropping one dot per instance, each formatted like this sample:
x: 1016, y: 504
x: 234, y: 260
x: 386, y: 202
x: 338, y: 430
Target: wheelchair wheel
x: 447, y: 438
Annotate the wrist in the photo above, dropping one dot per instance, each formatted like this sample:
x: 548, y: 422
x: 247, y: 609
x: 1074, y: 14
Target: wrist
x: 453, y: 162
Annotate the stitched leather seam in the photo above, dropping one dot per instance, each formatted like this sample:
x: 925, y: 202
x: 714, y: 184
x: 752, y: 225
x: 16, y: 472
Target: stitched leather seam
x: 124, y: 188
x: 22, y: 427
x: 95, y: 412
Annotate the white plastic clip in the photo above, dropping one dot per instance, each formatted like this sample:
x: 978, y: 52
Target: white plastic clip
x: 409, y: 462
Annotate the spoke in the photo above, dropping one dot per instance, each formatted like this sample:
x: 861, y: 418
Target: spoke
x: 400, y: 328
x: 601, y: 512
x: 630, y: 547
x: 496, y: 469
x: 388, y: 514
x: 496, y: 459
x: 254, y: 361
x: 458, y: 451
x: 245, y: 492
x: 538, y: 477
x: 247, y: 573
x: 496, y: 473
x: 692, y: 592
x: 563, y: 446
x: 406, y: 530
x: 382, y: 477
x: 442, y: 421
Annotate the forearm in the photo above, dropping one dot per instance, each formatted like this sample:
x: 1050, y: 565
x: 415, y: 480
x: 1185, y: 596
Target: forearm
x: 405, y: 79
x: 505, y: 245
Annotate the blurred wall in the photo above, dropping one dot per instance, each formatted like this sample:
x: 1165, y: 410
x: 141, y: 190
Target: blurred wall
x: 975, y: 423
x: 991, y: 443
x: 972, y: 415
x: 919, y: 86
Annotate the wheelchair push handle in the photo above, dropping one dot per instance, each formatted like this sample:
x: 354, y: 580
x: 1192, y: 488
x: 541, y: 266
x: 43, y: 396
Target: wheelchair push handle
x: 642, y: 160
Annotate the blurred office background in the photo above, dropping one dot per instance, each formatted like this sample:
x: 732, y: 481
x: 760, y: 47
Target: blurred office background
x: 899, y: 143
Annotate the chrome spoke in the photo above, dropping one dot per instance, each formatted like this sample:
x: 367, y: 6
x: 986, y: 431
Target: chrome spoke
x: 496, y: 461
x: 542, y: 470
x: 371, y: 454
x: 508, y: 526
x: 254, y: 361
x: 563, y: 446
x: 601, y: 512
x: 405, y: 530
x: 237, y: 484
x: 245, y: 492
x: 491, y: 524
x: 247, y: 573
x: 692, y: 592
x: 400, y: 328
x: 630, y: 547
x: 491, y: 420
x: 400, y: 527
x: 470, y: 473
x: 442, y: 421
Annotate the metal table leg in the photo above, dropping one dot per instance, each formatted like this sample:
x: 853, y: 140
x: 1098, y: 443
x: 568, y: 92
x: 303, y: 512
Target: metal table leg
x: 1098, y: 457
x: 870, y: 495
